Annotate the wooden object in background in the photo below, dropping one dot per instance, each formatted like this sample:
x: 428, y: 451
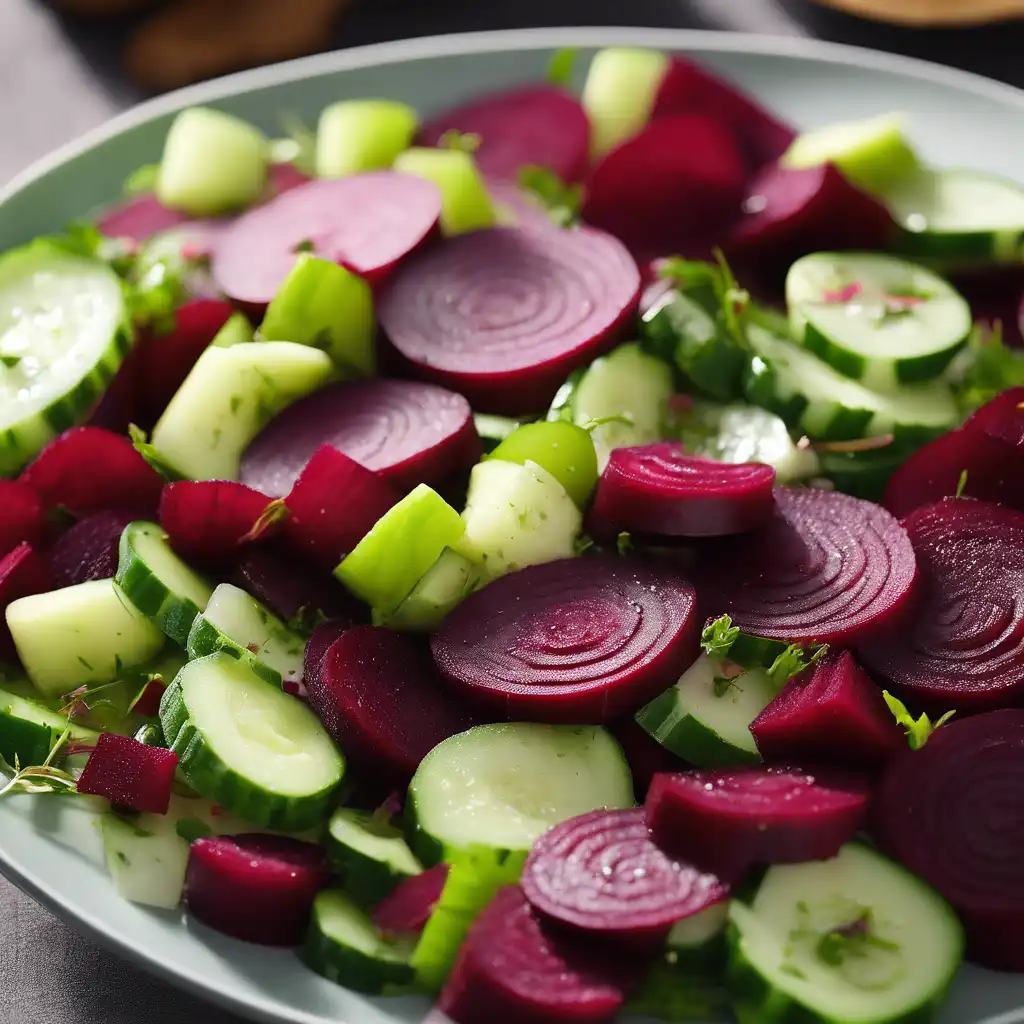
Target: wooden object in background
x: 932, y: 12
x: 101, y: 7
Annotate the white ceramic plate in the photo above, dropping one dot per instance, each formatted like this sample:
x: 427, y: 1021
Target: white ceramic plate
x: 51, y: 847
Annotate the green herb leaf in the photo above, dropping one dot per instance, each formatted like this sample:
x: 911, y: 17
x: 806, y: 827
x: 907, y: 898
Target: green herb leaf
x: 80, y: 238
x: 561, y: 65
x: 43, y: 778
x: 918, y: 729
x: 191, y: 829
x: 670, y: 995
x: 624, y: 543
x: 142, y: 179
x: 986, y: 367
x: 562, y: 201
x: 719, y: 636
x: 794, y: 660
x: 140, y: 442
x: 582, y: 544
x: 10, y: 361
x: 461, y: 142
x: 961, y: 483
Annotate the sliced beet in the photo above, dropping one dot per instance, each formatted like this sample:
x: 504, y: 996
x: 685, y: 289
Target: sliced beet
x: 503, y: 316
x: 837, y: 716
x: 255, y: 887
x: 727, y: 822
x: 368, y: 222
x: 88, y: 550
x: 827, y: 568
x: 130, y: 774
x: 658, y: 490
x: 283, y: 178
x: 950, y: 813
x: 147, y: 704
x: 996, y: 294
x: 602, y: 874
x: 22, y: 515
x: 410, y: 433
x: 120, y: 405
x: 645, y: 756
x: 380, y: 697
x: 139, y: 218
x: 576, y: 640
x: 407, y: 908
x: 533, y: 125
x: 319, y: 643
x: 23, y: 572
x: 513, y: 970
x: 964, y: 646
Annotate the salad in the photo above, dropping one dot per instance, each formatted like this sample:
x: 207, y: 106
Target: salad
x: 562, y: 558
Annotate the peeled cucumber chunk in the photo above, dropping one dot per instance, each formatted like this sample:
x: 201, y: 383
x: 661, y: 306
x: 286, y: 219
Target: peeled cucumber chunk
x: 362, y: 135
x: 466, y: 203
x: 146, y: 858
x: 440, y: 590
x: 236, y: 331
x: 212, y: 164
x: 566, y: 451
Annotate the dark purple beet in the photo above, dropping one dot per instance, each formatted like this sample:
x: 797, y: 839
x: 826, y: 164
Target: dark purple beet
x: 996, y: 295
x: 88, y: 550
x: 577, y: 640
x: 319, y: 644
x: 407, y: 908
x: 950, y: 813
x: 660, y: 491
x: 645, y: 756
x: 22, y: 573
x: 410, y: 433
x: 139, y: 218
x: 964, y: 646
x: 22, y: 516
x: 729, y: 821
x: 504, y: 316
x: 827, y: 568
x: 601, y: 874
x: 130, y: 774
x: 255, y: 887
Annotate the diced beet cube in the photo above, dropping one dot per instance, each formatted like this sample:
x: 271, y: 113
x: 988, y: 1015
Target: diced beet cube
x: 22, y: 516
x: 130, y: 774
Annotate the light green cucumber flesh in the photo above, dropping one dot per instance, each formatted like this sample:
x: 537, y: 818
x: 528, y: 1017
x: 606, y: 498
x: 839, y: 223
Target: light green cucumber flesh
x: 236, y: 331
x: 442, y: 588
x: 370, y: 856
x: 29, y: 729
x: 362, y: 135
x: 466, y: 203
x: 494, y: 429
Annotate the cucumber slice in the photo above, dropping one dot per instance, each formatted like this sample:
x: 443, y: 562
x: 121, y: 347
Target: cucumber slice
x: 852, y: 939
x: 517, y: 515
x: 249, y: 747
x: 236, y: 331
x: 64, y: 330
x: 875, y: 318
x: 346, y: 947
x: 29, y: 729
x: 241, y: 627
x: 501, y: 786
x: 705, y: 718
x: 698, y: 944
x: 84, y: 634
x: 158, y: 582
x: 228, y: 398
x: 146, y: 858
x: 362, y: 135
x: 563, y: 449
x: 863, y: 474
x: 371, y: 856
x: 494, y: 429
x: 466, y: 203
x: 444, y: 585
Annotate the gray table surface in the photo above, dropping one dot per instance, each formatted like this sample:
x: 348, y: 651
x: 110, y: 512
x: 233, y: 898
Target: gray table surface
x: 58, y: 78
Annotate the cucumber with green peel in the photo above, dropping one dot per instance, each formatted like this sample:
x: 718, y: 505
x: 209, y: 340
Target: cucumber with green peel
x: 697, y: 944
x: 369, y: 854
x: 440, y: 590
x: 64, y: 331
x: 853, y: 939
x: 29, y: 729
x: 466, y: 203
x: 863, y: 474
x: 875, y: 318
x: 362, y: 135
x: 236, y: 331
x: 157, y: 582
x: 248, y: 746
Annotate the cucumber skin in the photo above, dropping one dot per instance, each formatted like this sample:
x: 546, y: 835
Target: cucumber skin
x: 205, y: 638
x: 27, y: 742
x: 368, y: 879
x: 425, y: 848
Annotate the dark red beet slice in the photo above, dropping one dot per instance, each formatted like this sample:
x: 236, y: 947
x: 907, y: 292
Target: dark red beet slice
x: 828, y: 568
x: 503, y: 316
x: 255, y: 887
x: 658, y: 490
x: 602, y: 874
x: 407, y: 908
x: 333, y: 504
x: 577, y: 640
x: 368, y: 222
x: 644, y: 754
x: 727, y: 822
x: 379, y: 696
x: 511, y: 970
x: 964, y: 647
x: 538, y: 125
x: 409, y: 433
x: 147, y: 705
x: 677, y: 184
x: 319, y: 643
x: 22, y: 515
x: 996, y: 294
x: 139, y: 218
x: 88, y: 469
x: 22, y: 573
x: 837, y: 716
x: 88, y: 550
x: 130, y: 774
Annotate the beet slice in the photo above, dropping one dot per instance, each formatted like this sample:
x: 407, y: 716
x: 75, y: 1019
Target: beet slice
x: 283, y: 178
x: 139, y: 218
x: 727, y: 822
x: 130, y: 774
x: 948, y: 813
x: 22, y: 573
x: 89, y: 469
x: 503, y: 316
x: 121, y: 403
x: 22, y: 516
x: 645, y: 756
x: 88, y: 550
x: 534, y: 125
x: 407, y: 908
x: 837, y: 716
x: 602, y: 874
x: 576, y: 640
x: 827, y: 568
x: 410, y: 433
x: 379, y: 696
x: 964, y: 647
x: 368, y: 222
x: 255, y: 887
x: 658, y: 490
x: 512, y: 970
x: 319, y: 643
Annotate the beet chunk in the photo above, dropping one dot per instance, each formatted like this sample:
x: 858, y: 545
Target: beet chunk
x: 22, y: 516
x: 407, y: 908
x: 130, y: 774
x: 22, y: 573
x: 88, y: 550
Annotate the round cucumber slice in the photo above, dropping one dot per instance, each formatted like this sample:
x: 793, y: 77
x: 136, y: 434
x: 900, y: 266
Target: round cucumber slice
x: 371, y: 856
x: 444, y: 585
x: 466, y: 204
x: 362, y: 135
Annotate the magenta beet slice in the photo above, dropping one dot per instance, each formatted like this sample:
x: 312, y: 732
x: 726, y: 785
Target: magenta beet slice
x: 513, y: 970
x: 657, y: 489
x: 407, y: 908
x: 368, y: 222
x: 379, y: 696
x: 255, y: 887
x: 283, y: 178
x: 147, y: 704
x: 645, y: 756
x: 964, y: 646
x: 602, y: 874
x: 503, y: 316
x: 88, y: 550
x: 827, y: 568
x: 130, y: 774
x: 535, y: 125
x: 22, y: 573
x: 727, y: 822
x: 22, y: 515
x: 410, y: 433
x: 837, y: 716
x: 676, y: 185
x: 577, y: 640
x: 139, y: 218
